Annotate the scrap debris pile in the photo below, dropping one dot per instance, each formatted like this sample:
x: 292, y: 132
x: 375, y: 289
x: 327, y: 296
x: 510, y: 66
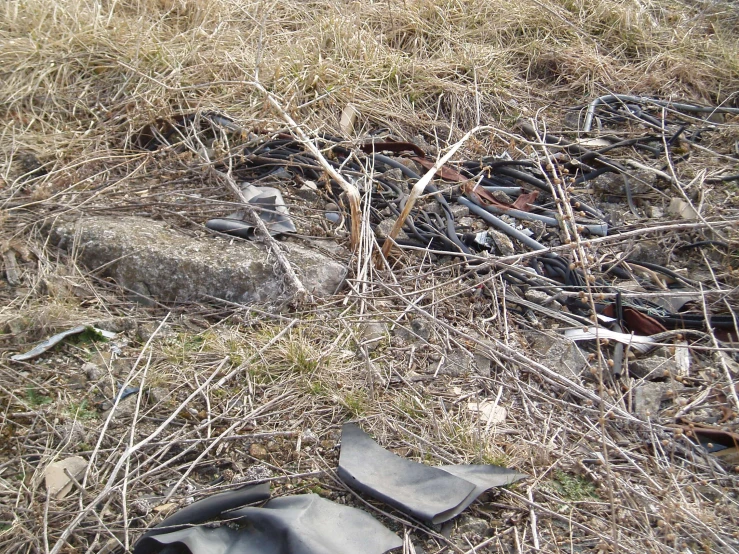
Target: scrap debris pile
x: 607, y: 238
x: 621, y: 242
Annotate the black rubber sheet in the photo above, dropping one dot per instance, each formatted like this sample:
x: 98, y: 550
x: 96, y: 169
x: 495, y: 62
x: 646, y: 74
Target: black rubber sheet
x: 301, y: 524
x: 270, y: 207
x: 429, y: 494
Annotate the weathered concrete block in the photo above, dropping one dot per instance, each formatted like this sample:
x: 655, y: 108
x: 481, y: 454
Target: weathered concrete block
x: 148, y: 258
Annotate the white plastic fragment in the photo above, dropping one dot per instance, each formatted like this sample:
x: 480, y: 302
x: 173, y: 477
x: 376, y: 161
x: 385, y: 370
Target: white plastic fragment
x: 638, y: 343
x: 682, y: 358
x: 49, y: 343
x: 681, y: 208
x: 57, y: 482
x: 489, y: 412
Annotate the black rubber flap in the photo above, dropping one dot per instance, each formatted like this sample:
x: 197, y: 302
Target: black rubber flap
x: 203, y: 510
x: 429, y: 494
x: 302, y: 524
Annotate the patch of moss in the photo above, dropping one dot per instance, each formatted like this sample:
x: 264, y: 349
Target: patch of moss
x: 574, y: 487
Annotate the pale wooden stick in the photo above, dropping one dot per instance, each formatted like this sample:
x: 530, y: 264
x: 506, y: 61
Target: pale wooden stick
x: 351, y: 191
x: 420, y: 186
x: 300, y: 292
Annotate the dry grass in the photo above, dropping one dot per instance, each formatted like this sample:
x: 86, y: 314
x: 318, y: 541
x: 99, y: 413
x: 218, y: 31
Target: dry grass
x: 79, y: 78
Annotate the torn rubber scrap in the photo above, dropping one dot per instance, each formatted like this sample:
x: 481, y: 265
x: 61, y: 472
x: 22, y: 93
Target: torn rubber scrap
x: 204, y: 510
x: 301, y: 524
x: 271, y: 208
x: 430, y: 494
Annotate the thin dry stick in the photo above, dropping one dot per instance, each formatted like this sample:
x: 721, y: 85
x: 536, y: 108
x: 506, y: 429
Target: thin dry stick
x: 563, y: 201
x: 532, y: 514
x: 118, y: 399
x: 420, y: 186
x: 727, y: 373
x: 351, y: 191
x: 110, y: 485
x: 132, y: 434
x: 300, y: 292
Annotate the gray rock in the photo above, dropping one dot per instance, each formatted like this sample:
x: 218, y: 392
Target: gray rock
x: 560, y: 355
x: 652, y: 368
x: 418, y: 332
x: 395, y: 176
x: 542, y: 298
x: 308, y: 437
x: 472, y: 526
x: 332, y: 212
x: 648, y: 251
x: 372, y: 333
x: 458, y: 363
x: 386, y: 225
x: 459, y: 211
x: 307, y: 194
x: 538, y: 228
x: 648, y: 397
x: 93, y: 372
x: 141, y: 254
x: 159, y: 394
x: 502, y: 242
x: 501, y: 196
x: 123, y: 411
x: 257, y: 472
x: 467, y: 222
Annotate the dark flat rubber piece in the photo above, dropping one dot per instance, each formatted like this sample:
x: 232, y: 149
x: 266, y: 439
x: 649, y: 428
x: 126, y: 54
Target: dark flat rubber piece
x: 204, y: 510
x: 430, y: 494
x: 302, y: 524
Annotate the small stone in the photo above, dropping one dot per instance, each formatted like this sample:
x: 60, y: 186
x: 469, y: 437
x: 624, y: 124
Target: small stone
x: 542, y: 298
x: 459, y: 211
x: 560, y: 355
x: 258, y: 451
x: 73, y: 432
x: 58, y: 484
x: 93, y: 372
x: 467, y: 222
x: 472, y: 526
x: 648, y: 251
x: 308, y: 437
x: 306, y: 193
x: 458, y: 363
x: 648, y: 397
x: 123, y: 411
x: 372, y: 334
x: 655, y: 212
x: 502, y: 197
x: 333, y: 217
x: 652, y: 368
x: 257, y: 472
x: 141, y: 507
x: 682, y: 209
x: 394, y: 176
x: 386, y: 225
x: 538, y: 228
x: 333, y: 214
x: 159, y: 394
x: 502, y: 242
